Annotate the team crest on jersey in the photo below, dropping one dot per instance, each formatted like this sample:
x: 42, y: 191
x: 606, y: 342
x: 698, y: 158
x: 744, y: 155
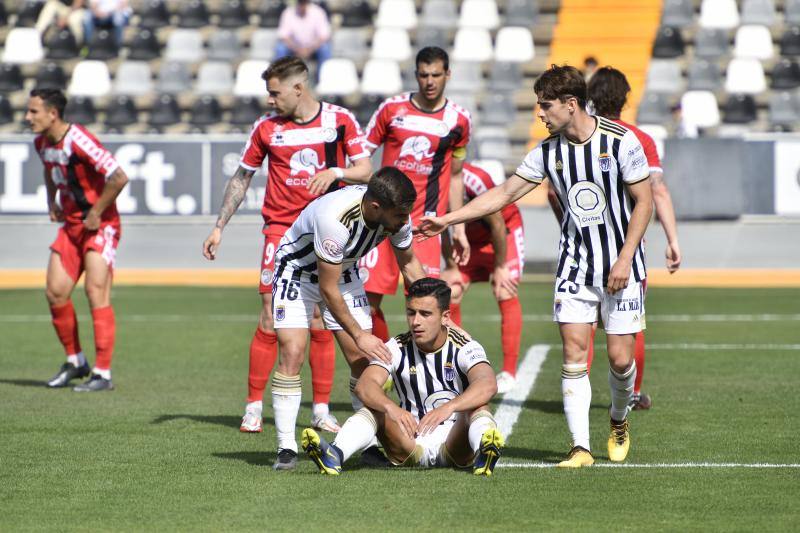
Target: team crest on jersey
x: 363, y: 274
x: 449, y: 371
x: 280, y: 313
x: 266, y: 276
x: 605, y: 162
x: 559, y: 165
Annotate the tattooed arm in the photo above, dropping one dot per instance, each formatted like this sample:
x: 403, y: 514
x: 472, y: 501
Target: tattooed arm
x: 234, y: 194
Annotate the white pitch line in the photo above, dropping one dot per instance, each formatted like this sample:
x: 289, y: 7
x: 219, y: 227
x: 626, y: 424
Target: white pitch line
x: 722, y: 346
x: 508, y: 411
x: 658, y: 465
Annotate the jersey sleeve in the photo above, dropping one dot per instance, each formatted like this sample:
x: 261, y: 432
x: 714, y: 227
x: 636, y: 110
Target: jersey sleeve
x: 650, y: 151
x: 354, y: 142
x: 459, y: 147
x: 376, y: 128
x: 402, y: 239
x: 330, y: 238
x: 394, y: 349
x: 90, y: 151
x: 470, y: 355
x: 475, y: 183
x: 255, y: 150
x: 532, y: 167
x: 632, y: 159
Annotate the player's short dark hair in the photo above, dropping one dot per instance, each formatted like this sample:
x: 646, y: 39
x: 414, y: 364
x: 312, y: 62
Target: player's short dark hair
x: 432, y: 54
x: 390, y: 187
x: 560, y: 82
x: 431, y: 287
x: 608, y: 91
x: 285, y: 68
x: 52, y: 98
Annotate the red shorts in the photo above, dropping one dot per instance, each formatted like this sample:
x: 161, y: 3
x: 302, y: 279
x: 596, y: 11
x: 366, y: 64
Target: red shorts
x: 380, y: 273
x: 74, y: 241
x: 271, y: 240
x: 481, y: 260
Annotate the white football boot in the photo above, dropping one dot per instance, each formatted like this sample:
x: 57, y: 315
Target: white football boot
x: 505, y: 382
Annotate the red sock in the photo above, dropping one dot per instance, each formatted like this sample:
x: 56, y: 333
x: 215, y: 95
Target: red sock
x: 263, y: 353
x: 379, y: 327
x: 66, y: 325
x: 104, y: 330
x: 322, y: 359
x: 591, y: 352
x: 638, y: 354
x: 455, y: 314
x: 511, y: 328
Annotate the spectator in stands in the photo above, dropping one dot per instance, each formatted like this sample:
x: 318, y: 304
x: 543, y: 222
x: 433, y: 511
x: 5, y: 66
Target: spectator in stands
x: 589, y: 66
x: 106, y: 14
x: 64, y: 13
x: 304, y: 31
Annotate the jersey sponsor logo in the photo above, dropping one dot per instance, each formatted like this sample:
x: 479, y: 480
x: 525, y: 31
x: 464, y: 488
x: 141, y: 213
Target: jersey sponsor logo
x: 304, y: 163
x: 332, y: 247
x: 363, y: 274
x: 628, y: 304
x: 588, y: 203
x: 438, y: 399
x: 605, y: 162
x: 55, y: 155
x: 418, y: 147
x: 303, y: 136
x: 329, y: 134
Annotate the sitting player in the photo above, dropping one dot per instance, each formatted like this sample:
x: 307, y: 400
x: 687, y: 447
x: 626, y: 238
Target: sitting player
x: 452, y: 426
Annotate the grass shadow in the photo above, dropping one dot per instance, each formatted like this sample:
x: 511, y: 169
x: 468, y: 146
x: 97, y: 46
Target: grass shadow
x: 25, y: 382
x: 334, y: 406
x: 251, y: 458
x: 220, y: 420
x: 543, y: 406
x: 546, y: 456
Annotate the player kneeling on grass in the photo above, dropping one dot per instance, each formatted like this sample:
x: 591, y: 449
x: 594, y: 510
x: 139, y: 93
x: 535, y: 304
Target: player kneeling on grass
x: 444, y: 382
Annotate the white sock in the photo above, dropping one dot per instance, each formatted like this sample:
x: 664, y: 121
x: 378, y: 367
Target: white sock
x: 357, y: 433
x: 621, y: 392
x: 478, y: 425
x: 357, y: 404
x: 104, y: 373
x: 76, y: 359
x: 320, y: 409
x: 577, y: 392
x: 286, y: 393
x: 254, y: 407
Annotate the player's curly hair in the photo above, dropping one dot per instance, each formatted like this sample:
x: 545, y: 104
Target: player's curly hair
x: 431, y: 287
x: 390, y: 187
x: 608, y: 91
x: 52, y: 98
x: 285, y: 68
x: 560, y: 82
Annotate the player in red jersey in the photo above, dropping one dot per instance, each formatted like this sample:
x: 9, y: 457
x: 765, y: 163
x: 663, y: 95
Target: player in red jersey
x: 608, y: 92
x: 87, y: 180
x: 425, y: 135
x: 497, y: 253
x: 306, y: 143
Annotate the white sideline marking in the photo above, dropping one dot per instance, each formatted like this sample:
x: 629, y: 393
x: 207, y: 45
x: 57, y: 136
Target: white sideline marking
x: 508, y: 411
x: 657, y: 465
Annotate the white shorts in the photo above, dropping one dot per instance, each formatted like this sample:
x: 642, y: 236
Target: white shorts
x: 293, y: 304
x: 433, y: 449
x: 622, y: 313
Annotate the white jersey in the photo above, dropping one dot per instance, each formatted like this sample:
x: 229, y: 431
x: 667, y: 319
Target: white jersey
x: 332, y: 229
x: 425, y: 381
x: 590, y: 180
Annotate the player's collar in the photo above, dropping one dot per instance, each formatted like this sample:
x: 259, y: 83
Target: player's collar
x: 417, y: 107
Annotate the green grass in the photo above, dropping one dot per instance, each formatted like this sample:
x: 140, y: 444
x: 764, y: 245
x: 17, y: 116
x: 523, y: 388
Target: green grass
x: 162, y: 452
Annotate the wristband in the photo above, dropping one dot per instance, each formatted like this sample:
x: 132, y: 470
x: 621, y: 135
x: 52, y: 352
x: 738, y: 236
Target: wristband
x: 338, y: 172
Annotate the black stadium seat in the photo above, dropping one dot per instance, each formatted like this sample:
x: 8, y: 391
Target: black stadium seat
x: 3, y: 14
x: 51, y: 76
x: 790, y: 42
x: 786, y: 74
x: 165, y: 112
x: 193, y: 14
x: 668, y: 43
x: 234, y: 14
x: 270, y: 13
x: 62, y: 45
x: 6, y: 113
x: 121, y: 112
x: 154, y: 14
x: 144, y: 46
x: 26, y: 17
x: 245, y: 111
x: 80, y: 109
x: 103, y: 46
x: 740, y: 109
x: 356, y: 13
x: 10, y: 78
x: 206, y: 111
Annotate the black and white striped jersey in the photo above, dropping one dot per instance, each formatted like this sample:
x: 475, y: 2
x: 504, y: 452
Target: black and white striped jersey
x: 426, y: 380
x: 590, y: 180
x: 332, y: 229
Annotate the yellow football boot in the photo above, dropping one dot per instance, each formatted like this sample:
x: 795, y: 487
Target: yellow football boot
x: 619, y: 442
x: 578, y: 457
x: 489, y: 453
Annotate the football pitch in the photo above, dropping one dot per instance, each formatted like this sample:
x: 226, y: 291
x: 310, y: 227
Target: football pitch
x: 718, y: 450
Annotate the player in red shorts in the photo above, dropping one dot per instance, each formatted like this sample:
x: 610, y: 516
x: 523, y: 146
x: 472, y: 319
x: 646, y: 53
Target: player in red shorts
x: 608, y: 91
x: 425, y: 135
x: 497, y: 253
x: 306, y: 143
x: 87, y: 179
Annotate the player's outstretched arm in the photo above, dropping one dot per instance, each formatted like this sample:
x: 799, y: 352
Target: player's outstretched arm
x: 666, y: 215
x: 455, y: 202
x: 235, y: 190
x: 369, y: 390
x: 113, y: 186
x: 642, y: 196
x: 409, y: 265
x: 359, y: 172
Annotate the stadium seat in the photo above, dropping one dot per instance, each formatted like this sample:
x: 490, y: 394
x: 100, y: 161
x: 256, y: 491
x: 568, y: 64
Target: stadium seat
x: 165, y: 112
x: 269, y: 13
x: 498, y: 109
x: 783, y: 110
x: 184, y: 45
x: 367, y: 106
x: 711, y: 43
x: 432, y: 36
x: 356, y: 14
x: 515, y: 44
x: 700, y: 109
x: 51, y: 75
x: 505, y: 76
x: 214, y: 78
x: 786, y: 74
x: 193, y: 14
x: 23, y: 46
x: 381, y: 76
x: 479, y: 14
x: 522, y: 12
x: 440, y: 14
x: 6, y: 111
x: 62, y: 45
x: 466, y: 100
x: 664, y: 76
x: 154, y: 14
x: 29, y: 12
x: 103, y: 46
x: 173, y: 78
x: 3, y: 14
x: 396, y: 14
x: 391, y: 43
x: 758, y: 12
x: 472, y: 44
x: 720, y: 14
x: 495, y: 149
x: 493, y: 167
x: 740, y: 109
x: 465, y: 76
x: 753, y: 42
x: 678, y: 13
x: 350, y: 43
x: 10, y: 78
x: 246, y: 111
x: 134, y: 78
x: 745, y: 76
x: 144, y: 46
x: 223, y: 45
x: 233, y: 15
x: 248, y: 78
x: 668, y: 43
x: 338, y: 77
x: 90, y: 78
x: 80, y: 109
x: 704, y: 76
x: 121, y: 112
x: 262, y: 44
x: 791, y: 9
x: 205, y: 111
x: 653, y: 109
x: 790, y: 42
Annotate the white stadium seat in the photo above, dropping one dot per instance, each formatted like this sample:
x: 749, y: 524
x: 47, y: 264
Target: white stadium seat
x: 479, y: 14
x: 753, y: 42
x: 23, y: 46
x: 493, y: 167
x: 745, y: 76
x: 215, y: 78
x: 134, y: 78
x: 514, y: 44
x: 391, y: 43
x: 248, y: 78
x: 722, y: 14
x: 381, y: 76
x: 700, y: 109
x: 262, y: 44
x: 472, y: 44
x: 664, y: 76
x: 396, y: 14
x: 337, y: 77
x: 439, y: 14
x: 90, y: 78
x: 185, y: 46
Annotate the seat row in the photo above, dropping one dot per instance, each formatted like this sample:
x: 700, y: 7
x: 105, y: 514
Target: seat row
x: 725, y: 14
x: 741, y: 76
x: 751, y: 41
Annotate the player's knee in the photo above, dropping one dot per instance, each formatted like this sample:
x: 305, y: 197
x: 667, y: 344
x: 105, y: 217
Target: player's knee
x: 56, y: 295
x: 265, y: 320
x: 290, y: 360
x: 576, y: 350
x: 97, y: 293
x: 620, y: 359
x: 456, y: 293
